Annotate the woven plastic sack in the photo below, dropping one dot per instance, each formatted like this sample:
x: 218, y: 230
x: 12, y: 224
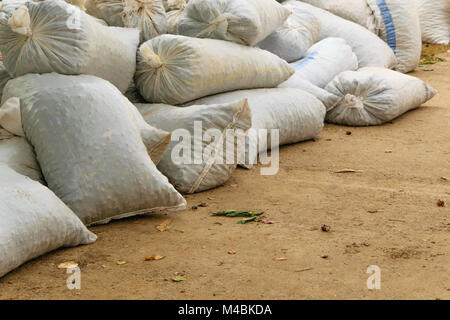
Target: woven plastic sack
x: 33, y: 221
x: 53, y: 36
x: 370, y: 49
x: 434, y: 20
x: 213, y: 168
x: 242, y: 21
x: 175, y: 69
x: 298, y: 116
x: 291, y: 41
x: 323, y: 61
x: 89, y: 147
x: 148, y: 16
x: 373, y: 96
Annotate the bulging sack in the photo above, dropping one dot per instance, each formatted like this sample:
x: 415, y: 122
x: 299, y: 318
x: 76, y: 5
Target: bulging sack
x: 245, y: 22
x: 176, y: 69
x: 205, y: 156
x: 373, y: 96
x: 291, y: 41
x: 370, y: 50
x: 89, y: 147
x: 434, y: 20
x: 173, y: 15
x: 323, y: 61
x: 357, y: 11
x: 53, y: 36
x: 18, y: 154
x: 296, y: 114
x: 33, y: 221
x: 148, y: 16
x: 394, y: 21
x: 397, y: 23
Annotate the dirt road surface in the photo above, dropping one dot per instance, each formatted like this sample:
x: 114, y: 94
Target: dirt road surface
x: 386, y: 214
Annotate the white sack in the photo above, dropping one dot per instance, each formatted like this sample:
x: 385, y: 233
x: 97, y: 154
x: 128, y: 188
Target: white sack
x: 148, y: 16
x: 370, y: 50
x: 434, y: 18
x: 89, y: 147
x: 33, y: 221
x: 324, y: 60
x: 53, y: 36
x: 212, y: 169
x: 326, y: 97
x: 357, y: 11
x: 397, y: 23
x: 291, y: 41
x: 297, y: 114
x: 373, y: 96
x: 175, y: 69
x: 18, y: 154
x: 242, y: 21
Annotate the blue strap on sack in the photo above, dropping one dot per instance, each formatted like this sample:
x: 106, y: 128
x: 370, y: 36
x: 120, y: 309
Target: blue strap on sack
x: 389, y: 24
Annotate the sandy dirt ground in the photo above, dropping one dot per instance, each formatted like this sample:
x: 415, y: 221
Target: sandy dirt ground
x: 386, y: 215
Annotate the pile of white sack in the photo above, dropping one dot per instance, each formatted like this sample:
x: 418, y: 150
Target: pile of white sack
x: 106, y: 103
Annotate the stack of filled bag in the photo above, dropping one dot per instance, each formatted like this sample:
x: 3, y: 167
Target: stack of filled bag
x: 95, y: 94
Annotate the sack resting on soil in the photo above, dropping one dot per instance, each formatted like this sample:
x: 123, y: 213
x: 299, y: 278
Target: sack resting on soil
x: 395, y: 21
x: 290, y: 42
x: 242, y: 21
x: 89, y: 147
x: 33, y: 221
x: 148, y: 16
x: 372, y: 96
x: 298, y: 116
x: 370, y: 50
x: 324, y: 60
x: 175, y: 69
x: 53, y: 36
x: 212, y: 168
x: 434, y: 20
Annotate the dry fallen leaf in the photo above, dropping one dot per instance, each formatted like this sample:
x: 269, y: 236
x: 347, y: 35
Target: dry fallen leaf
x: 67, y: 265
x: 231, y: 252
x: 348, y: 171
x: 234, y: 185
x: 440, y: 203
x: 163, y: 226
x: 325, y: 228
x: 178, y: 279
x: 280, y: 259
x: 387, y: 151
x: 211, y: 198
x: 268, y: 221
x: 121, y: 262
x: 445, y: 178
x: 155, y: 257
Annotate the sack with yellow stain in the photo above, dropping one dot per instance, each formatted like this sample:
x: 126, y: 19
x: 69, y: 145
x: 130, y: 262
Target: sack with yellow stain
x: 242, y: 21
x: 205, y: 158
x: 175, y: 69
x: 88, y: 142
x: 53, y: 36
x: 148, y: 16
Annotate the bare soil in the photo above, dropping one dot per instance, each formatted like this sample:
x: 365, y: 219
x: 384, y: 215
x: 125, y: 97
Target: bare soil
x: 385, y: 214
